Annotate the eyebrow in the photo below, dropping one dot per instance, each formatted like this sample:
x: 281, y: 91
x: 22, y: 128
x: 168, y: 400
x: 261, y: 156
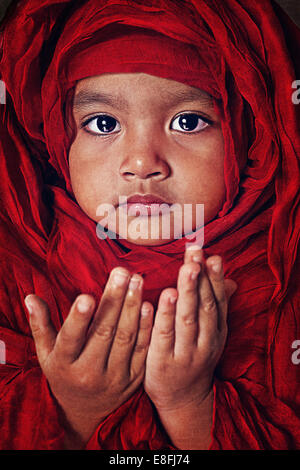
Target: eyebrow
x: 191, y: 95
x: 87, y: 99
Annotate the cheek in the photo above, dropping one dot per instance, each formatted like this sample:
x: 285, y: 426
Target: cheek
x: 204, y: 169
x: 90, y: 189
x: 215, y: 181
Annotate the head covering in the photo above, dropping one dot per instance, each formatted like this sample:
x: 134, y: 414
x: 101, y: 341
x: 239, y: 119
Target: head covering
x: 237, y: 51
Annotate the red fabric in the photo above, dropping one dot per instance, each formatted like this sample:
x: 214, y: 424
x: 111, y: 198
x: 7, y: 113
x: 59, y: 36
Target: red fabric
x: 132, y: 49
x: 49, y: 247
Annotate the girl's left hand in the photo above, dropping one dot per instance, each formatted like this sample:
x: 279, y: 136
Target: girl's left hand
x: 189, y: 334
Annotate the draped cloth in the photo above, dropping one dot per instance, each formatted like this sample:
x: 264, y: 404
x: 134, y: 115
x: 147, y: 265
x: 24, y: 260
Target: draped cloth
x: 249, y: 51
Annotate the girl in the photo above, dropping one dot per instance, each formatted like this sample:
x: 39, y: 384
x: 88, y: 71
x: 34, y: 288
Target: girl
x: 121, y: 341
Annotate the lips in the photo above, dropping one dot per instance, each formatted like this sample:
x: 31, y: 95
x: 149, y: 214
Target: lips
x: 146, y: 199
x: 145, y: 204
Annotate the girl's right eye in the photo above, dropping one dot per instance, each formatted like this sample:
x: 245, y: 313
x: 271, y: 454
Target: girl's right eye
x: 102, y: 125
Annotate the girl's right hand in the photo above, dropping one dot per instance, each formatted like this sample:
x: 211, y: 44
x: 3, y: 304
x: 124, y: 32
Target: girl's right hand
x: 95, y: 362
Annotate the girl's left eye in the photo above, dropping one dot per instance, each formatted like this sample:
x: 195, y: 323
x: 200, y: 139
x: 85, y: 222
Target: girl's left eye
x: 102, y: 125
x: 189, y: 123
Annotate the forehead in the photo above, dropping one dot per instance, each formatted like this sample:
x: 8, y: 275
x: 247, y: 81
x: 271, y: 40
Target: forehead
x: 122, y: 88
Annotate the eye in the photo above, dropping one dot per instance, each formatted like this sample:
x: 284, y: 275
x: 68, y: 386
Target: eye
x: 102, y: 125
x: 189, y: 123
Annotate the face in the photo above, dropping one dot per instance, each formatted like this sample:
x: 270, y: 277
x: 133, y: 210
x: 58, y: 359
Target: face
x: 154, y: 143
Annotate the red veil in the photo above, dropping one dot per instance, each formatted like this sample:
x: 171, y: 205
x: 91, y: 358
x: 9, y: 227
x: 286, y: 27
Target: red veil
x: 49, y: 246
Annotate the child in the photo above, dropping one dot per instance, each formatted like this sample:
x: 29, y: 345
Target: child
x: 120, y: 335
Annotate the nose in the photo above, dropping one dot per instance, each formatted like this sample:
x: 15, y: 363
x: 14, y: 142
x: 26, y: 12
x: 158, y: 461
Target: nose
x: 143, y: 159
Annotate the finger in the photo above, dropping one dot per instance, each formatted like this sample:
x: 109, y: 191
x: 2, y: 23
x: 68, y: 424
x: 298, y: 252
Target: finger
x: 208, y: 310
x: 42, y: 329
x: 193, y: 253
x: 223, y: 289
x: 163, y: 332
x: 230, y: 287
x: 72, y: 335
x: 186, y: 321
x: 143, y: 338
x: 102, y: 329
x: 216, y: 276
x: 127, y: 328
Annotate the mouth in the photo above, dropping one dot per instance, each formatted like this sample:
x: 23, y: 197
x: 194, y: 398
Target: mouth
x: 144, y: 204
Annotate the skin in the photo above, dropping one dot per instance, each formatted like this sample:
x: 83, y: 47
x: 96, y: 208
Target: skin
x: 173, y: 356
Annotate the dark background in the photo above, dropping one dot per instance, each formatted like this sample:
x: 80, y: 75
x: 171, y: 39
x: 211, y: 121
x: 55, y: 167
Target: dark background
x: 292, y: 7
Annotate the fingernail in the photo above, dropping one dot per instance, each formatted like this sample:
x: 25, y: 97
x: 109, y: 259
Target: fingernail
x: 197, y: 258
x: 134, y: 283
x: 120, y: 278
x: 172, y: 299
x: 216, y: 266
x: 28, y: 306
x: 145, y: 311
x: 193, y: 247
x: 194, y: 274
x: 83, y: 305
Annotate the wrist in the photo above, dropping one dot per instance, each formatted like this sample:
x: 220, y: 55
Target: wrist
x: 187, y: 403
x: 192, y: 398
x: 189, y: 425
x: 79, y: 428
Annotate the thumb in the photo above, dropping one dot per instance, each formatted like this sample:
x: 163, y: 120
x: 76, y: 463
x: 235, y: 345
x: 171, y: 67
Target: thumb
x: 230, y: 288
x: 41, y: 326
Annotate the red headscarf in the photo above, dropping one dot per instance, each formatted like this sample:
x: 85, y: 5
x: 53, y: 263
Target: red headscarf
x: 239, y: 52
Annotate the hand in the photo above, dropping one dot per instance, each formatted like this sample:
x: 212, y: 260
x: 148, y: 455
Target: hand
x: 97, y: 361
x: 189, y: 334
